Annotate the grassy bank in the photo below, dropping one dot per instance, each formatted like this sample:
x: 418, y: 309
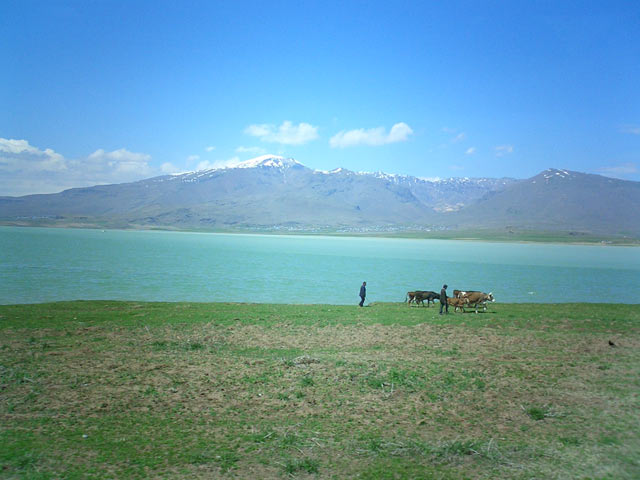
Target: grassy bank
x: 481, y: 235
x: 179, y: 390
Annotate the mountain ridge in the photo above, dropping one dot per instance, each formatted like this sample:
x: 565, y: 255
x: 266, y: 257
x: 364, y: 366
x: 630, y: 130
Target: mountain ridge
x: 279, y: 193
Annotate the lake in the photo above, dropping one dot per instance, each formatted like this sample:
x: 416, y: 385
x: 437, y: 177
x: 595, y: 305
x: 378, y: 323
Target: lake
x: 50, y: 264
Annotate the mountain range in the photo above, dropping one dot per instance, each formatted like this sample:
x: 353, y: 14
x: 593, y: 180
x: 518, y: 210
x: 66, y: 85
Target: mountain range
x: 272, y: 193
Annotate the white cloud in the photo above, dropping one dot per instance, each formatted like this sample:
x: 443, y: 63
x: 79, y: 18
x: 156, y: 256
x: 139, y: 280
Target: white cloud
x: 632, y: 129
x: 17, y: 146
x: 399, y: 133
x: 470, y: 150
x: 168, y: 167
x: 210, y: 149
x: 373, y: 136
x: 26, y: 169
x: 458, y: 138
x: 122, y: 161
x: 287, y: 133
x: 18, y: 155
x: 208, y: 165
x: 251, y: 150
x: 121, y: 155
x: 502, y: 150
x: 262, y: 130
x: 619, y: 171
x: 193, y: 158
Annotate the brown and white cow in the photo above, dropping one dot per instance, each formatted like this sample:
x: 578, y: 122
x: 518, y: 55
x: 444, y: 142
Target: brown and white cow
x: 462, y: 293
x: 478, y: 298
x: 457, y: 303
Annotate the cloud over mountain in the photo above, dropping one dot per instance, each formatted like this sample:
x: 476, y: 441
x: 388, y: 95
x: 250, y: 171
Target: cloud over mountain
x: 372, y: 137
x: 18, y: 155
x: 25, y: 168
x: 619, y: 171
x: 502, y: 150
x: 286, y: 134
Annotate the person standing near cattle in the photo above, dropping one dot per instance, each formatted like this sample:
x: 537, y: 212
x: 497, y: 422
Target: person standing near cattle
x: 363, y: 293
x: 443, y: 299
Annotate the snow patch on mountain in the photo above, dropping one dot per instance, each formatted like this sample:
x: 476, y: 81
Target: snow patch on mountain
x: 332, y: 172
x: 550, y: 173
x: 269, y: 161
x: 554, y: 174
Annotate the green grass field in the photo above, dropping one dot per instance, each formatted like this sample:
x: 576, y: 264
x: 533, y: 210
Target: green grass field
x: 181, y: 390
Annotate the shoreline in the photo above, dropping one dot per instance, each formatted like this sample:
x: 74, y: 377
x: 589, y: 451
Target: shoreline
x: 296, y: 305
x: 532, y: 237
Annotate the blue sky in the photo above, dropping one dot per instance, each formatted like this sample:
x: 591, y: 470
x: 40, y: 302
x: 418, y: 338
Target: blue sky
x: 111, y: 91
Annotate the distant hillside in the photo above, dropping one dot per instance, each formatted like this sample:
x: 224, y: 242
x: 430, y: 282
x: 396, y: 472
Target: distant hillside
x: 560, y: 200
x: 275, y: 193
x: 263, y: 193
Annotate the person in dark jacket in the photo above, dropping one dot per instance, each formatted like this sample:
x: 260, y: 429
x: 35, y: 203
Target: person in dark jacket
x: 443, y: 299
x: 363, y: 292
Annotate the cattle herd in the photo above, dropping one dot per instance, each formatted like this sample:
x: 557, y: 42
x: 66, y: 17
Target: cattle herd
x: 460, y: 299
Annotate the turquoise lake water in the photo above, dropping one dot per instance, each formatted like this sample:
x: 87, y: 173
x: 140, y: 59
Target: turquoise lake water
x: 41, y: 265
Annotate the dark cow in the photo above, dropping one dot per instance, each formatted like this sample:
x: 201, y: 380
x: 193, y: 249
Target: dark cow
x: 478, y: 298
x: 411, y: 296
x: 457, y: 303
x: 429, y: 296
x: 419, y: 296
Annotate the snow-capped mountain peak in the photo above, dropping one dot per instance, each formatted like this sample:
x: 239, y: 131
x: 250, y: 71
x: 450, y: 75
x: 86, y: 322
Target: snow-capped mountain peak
x: 557, y: 172
x: 268, y: 161
x: 553, y: 174
x: 273, y: 161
